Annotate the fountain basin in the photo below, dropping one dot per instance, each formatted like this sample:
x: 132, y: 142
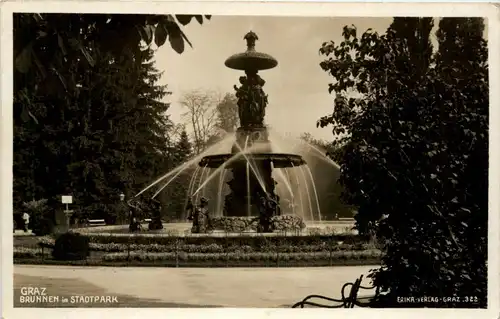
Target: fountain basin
x: 279, y: 160
x: 251, y: 60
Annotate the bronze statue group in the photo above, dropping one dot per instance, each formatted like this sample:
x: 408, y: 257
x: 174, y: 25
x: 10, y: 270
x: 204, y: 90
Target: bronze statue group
x: 200, y: 216
x: 252, y: 100
x: 137, y: 209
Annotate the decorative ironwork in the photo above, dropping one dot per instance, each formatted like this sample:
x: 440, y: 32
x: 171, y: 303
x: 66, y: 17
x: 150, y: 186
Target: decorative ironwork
x: 345, y: 302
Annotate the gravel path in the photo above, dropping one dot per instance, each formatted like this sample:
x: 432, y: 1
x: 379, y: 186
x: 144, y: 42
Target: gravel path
x: 185, y: 287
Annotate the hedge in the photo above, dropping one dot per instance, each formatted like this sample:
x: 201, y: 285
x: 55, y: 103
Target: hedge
x: 201, y: 264
x: 284, y: 247
x: 241, y: 240
x: 254, y: 256
x: 208, y: 258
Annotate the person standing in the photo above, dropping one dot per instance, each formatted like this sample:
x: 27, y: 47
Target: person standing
x: 26, y: 220
x: 123, y: 210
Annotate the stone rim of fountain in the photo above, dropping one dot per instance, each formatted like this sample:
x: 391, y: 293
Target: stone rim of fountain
x: 279, y: 160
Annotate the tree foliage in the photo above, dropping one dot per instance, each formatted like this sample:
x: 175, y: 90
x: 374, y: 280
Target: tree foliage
x: 227, y: 113
x: 179, y: 191
x: 184, y: 149
x: 414, y: 130
x: 88, y: 116
x: 210, y: 116
x: 201, y: 115
x: 47, y: 44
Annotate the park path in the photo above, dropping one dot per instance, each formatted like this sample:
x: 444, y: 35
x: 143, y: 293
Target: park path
x: 226, y: 287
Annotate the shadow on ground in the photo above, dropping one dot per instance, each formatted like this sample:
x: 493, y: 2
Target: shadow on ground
x: 76, y: 287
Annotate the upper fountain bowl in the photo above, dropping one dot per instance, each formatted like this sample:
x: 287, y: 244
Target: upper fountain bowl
x: 279, y: 160
x: 251, y: 60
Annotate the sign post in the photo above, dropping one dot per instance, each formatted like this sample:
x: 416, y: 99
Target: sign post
x: 67, y: 199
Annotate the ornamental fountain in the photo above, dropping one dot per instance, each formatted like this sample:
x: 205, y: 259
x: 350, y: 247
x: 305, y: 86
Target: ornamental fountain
x: 255, y: 173
x: 252, y: 184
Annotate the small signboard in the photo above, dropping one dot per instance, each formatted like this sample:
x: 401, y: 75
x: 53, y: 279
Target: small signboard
x: 67, y: 199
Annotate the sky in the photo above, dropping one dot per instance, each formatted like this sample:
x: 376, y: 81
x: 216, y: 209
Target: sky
x: 297, y: 88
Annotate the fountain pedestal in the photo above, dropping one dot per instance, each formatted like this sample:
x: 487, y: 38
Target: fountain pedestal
x: 252, y: 184
x: 248, y: 187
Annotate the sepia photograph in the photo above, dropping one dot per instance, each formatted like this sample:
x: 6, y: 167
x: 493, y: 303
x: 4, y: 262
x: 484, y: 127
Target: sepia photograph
x: 196, y: 160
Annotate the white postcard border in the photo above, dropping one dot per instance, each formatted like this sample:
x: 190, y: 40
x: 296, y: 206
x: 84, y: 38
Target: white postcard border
x: 490, y: 11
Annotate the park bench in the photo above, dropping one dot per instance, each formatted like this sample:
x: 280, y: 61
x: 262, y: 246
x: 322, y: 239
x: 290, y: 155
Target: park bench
x: 345, y: 302
x: 96, y: 222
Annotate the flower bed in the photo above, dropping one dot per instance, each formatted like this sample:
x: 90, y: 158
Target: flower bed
x: 284, y: 245
x: 293, y: 251
x: 254, y: 256
x: 240, y: 240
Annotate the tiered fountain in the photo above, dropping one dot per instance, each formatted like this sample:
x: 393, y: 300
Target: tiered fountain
x: 252, y: 181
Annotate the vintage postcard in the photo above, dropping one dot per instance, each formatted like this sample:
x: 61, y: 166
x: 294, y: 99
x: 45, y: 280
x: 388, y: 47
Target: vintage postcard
x: 180, y: 159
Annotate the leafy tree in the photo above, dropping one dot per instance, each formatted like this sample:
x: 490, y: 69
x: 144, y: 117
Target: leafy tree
x: 409, y: 132
x: 183, y: 147
x: 108, y: 133
x: 45, y: 44
x: 227, y: 113
x: 201, y: 114
x: 173, y: 197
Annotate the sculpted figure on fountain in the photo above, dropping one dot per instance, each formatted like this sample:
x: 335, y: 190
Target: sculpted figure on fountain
x: 252, y: 185
x: 252, y: 100
x: 265, y: 215
x: 155, y: 215
x: 200, y: 217
x: 136, y: 211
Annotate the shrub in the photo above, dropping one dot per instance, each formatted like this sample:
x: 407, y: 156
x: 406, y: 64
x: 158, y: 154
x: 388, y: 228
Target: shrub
x: 424, y: 182
x: 42, y: 227
x: 282, y: 247
x: 71, y: 246
x: 38, y: 210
